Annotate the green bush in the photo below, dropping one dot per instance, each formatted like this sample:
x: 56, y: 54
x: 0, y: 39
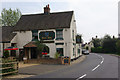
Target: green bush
x: 97, y: 50
x: 40, y: 47
x: 118, y: 46
x: 5, y: 60
x: 109, y: 44
x: 6, y: 54
x: 57, y: 55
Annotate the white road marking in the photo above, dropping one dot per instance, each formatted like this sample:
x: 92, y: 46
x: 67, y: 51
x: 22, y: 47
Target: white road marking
x: 81, y: 77
x: 101, y: 57
x: 95, y: 67
x: 92, y: 69
x: 100, y: 62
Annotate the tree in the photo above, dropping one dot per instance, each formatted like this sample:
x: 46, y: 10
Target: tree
x: 109, y: 44
x: 10, y: 17
x: 0, y: 21
x: 40, y: 47
x: 6, y: 54
x: 118, y: 46
x: 96, y: 41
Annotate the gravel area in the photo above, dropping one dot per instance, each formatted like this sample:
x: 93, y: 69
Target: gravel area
x: 22, y: 65
x: 19, y: 76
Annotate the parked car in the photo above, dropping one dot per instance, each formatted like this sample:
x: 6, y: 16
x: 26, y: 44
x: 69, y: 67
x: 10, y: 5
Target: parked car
x: 85, y: 52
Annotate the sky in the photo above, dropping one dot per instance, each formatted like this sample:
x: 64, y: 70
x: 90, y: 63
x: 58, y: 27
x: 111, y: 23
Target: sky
x: 93, y: 17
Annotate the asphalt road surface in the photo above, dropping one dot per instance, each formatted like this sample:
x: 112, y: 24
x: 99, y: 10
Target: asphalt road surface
x: 94, y: 66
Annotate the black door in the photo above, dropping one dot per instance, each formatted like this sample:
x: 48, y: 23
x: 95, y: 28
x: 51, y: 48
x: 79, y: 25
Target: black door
x: 33, y: 53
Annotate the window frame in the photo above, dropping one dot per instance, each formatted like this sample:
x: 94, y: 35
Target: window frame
x: 73, y: 51
x: 34, y: 35
x: 73, y: 35
x: 59, y: 34
x: 78, y: 51
x: 62, y: 51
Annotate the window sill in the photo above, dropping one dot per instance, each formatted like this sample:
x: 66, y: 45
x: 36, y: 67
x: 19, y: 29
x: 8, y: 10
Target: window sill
x: 59, y: 39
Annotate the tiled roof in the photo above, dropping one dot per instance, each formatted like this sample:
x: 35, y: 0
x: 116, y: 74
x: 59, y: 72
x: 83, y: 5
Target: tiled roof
x: 6, y: 33
x: 30, y: 44
x: 44, y: 21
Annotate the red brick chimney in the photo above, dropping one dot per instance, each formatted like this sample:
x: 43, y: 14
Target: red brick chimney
x: 47, y: 9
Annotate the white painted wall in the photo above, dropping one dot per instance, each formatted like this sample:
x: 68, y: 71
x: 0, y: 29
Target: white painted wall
x: 23, y: 38
x: 14, y: 40
x: 66, y: 41
x: 80, y: 49
x: 6, y: 45
x: 73, y: 27
x: 52, y: 49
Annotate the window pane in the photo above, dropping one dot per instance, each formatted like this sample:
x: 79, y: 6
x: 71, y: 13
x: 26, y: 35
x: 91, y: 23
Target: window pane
x: 59, y: 34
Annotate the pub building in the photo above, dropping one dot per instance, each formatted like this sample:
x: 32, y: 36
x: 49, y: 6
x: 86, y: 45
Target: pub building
x: 56, y: 30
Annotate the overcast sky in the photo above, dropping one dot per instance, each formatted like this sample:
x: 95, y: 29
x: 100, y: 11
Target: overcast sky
x: 93, y: 17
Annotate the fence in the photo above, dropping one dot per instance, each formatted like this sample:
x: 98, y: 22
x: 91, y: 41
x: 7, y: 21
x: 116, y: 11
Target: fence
x: 8, y: 66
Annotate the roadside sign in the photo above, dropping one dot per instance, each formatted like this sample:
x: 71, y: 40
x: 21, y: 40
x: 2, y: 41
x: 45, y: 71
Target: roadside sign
x: 66, y: 60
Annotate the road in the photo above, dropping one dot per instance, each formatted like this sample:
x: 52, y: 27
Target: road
x: 94, y: 66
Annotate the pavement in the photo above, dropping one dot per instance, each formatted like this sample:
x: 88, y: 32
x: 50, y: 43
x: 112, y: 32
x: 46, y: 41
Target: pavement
x: 46, y: 68
x: 22, y: 65
x: 28, y: 70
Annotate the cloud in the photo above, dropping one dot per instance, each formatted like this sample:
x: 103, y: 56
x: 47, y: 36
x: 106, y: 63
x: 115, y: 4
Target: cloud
x: 95, y: 17
x: 35, y: 0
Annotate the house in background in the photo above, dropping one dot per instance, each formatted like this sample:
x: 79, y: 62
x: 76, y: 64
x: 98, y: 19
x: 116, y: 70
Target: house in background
x: 56, y: 30
x: 8, y: 39
x: 88, y: 46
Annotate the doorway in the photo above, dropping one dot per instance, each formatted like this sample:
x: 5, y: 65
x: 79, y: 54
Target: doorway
x: 33, y: 53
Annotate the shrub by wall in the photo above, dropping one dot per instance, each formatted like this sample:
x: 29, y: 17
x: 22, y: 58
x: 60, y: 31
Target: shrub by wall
x: 6, y: 54
x: 97, y: 50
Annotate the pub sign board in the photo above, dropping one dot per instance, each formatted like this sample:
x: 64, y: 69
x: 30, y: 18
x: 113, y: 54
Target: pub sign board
x: 47, y: 35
